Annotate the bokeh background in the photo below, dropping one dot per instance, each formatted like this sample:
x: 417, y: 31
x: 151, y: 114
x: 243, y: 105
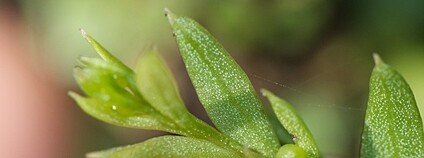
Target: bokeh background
x: 314, y: 53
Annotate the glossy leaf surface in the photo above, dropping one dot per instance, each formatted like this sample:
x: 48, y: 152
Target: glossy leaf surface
x: 393, y: 126
x: 223, y: 88
x: 293, y: 123
x: 167, y: 147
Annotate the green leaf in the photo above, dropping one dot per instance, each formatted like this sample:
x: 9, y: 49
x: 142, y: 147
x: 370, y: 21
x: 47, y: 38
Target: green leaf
x: 98, y: 76
x: 106, y: 55
x: 158, y: 87
x: 112, y: 95
x: 393, y: 126
x: 167, y: 146
x: 121, y: 115
x: 293, y: 123
x: 223, y: 88
x: 109, y: 100
x: 110, y: 59
x: 158, y: 106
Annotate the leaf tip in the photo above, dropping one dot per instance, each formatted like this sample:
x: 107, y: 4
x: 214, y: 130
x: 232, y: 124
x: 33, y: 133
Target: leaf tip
x: 73, y: 95
x: 87, y: 37
x: 169, y: 15
x: 377, y: 59
x: 83, y: 33
x: 264, y: 92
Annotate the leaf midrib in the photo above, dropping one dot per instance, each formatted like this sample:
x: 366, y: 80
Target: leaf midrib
x: 391, y: 113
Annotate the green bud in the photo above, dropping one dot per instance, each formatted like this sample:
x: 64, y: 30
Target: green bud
x: 291, y: 151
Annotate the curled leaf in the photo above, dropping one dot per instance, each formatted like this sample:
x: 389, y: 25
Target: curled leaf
x: 393, y: 126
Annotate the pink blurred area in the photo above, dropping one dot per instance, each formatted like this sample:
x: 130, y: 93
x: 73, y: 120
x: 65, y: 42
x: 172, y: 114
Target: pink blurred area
x: 34, y: 121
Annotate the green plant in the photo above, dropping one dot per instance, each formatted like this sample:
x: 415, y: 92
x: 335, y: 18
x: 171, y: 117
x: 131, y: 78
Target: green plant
x: 393, y: 125
x: 147, y: 98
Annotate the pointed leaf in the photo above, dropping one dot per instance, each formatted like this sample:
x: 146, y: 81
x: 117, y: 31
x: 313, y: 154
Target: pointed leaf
x: 167, y: 146
x: 106, y: 55
x: 393, y: 126
x: 110, y: 59
x: 223, y: 88
x: 158, y: 87
x: 293, y: 123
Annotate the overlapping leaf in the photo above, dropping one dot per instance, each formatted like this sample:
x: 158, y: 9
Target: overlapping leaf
x: 111, y: 94
x: 147, y: 99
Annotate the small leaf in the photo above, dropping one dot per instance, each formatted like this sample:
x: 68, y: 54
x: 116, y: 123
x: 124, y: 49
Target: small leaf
x: 158, y: 87
x: 293, y: 123
x: 106, y: 55
x: 393, y: 126
x: 110, y: 59
x: 96, y: 76
x: 112, y: 95
x: 223, y: 88
x: 167, y: 146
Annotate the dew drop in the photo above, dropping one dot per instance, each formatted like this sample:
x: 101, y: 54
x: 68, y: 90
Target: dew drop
x: 114, y: 107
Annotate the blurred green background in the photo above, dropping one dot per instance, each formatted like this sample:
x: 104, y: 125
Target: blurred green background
x: 314, y: 53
